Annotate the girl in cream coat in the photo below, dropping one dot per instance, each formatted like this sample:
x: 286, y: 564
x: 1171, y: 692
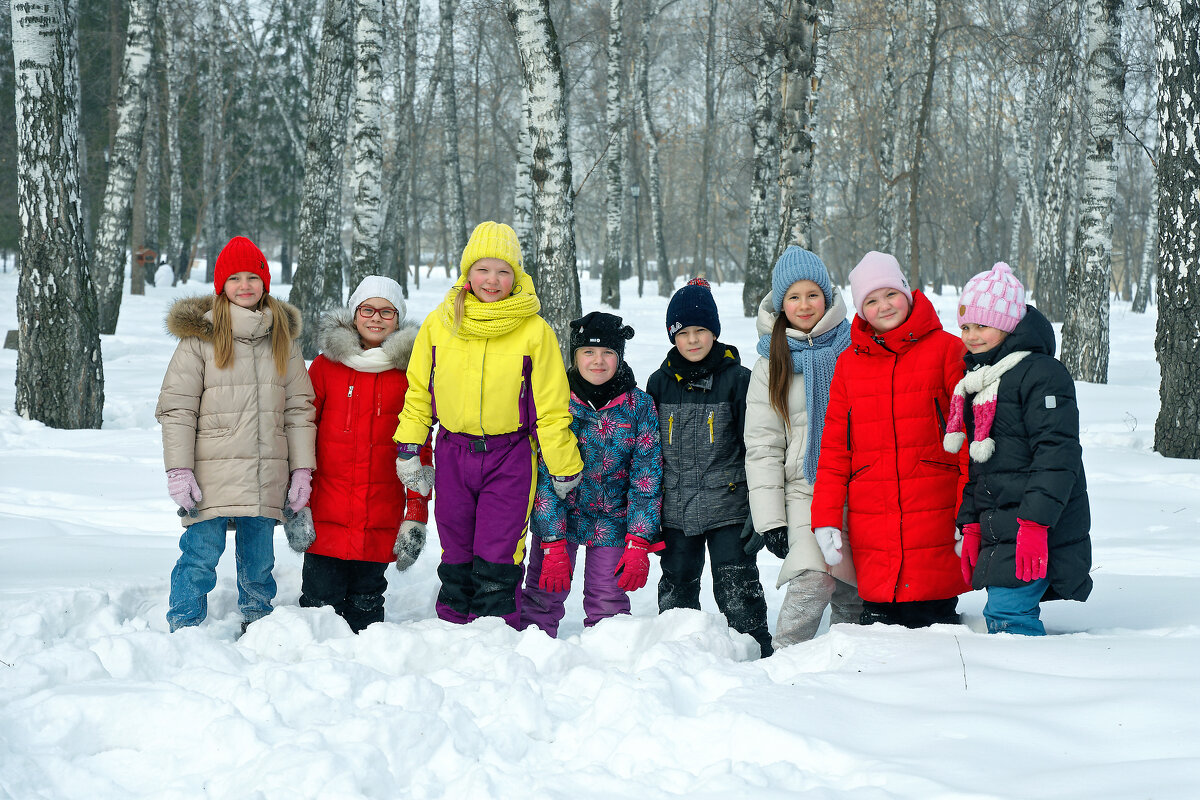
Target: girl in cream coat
x: 802, y: 330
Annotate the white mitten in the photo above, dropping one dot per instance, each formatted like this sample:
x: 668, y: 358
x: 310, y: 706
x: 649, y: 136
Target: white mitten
x: 830, y: 542
x: 409, y: 543
x: 413, y: 474
x: 564, y: 484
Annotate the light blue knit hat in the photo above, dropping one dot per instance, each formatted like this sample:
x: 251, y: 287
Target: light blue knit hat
x: 798, y: 264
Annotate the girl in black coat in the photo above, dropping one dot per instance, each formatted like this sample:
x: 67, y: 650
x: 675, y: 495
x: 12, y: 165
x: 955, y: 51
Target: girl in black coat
x: 1025, y: 516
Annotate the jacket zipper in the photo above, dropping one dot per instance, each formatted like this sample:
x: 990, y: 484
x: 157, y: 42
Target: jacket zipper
x: 349, y: 406
x: 710, y: 427
x: 670, y: 428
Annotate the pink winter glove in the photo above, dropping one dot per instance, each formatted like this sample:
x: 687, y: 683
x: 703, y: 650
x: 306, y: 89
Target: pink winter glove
x: 182, y: 486
x: 556, y: 567
x: 300, y: 489
x: 634, y: 566
x: 970, y: 551
x: 1032, y: 550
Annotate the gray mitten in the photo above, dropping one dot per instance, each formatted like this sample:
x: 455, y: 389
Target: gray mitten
x: 299, y: 529
x: 409, y: 543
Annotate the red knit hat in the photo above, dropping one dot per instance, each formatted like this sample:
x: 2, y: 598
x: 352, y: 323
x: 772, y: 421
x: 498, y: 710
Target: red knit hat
x: 240, y: 255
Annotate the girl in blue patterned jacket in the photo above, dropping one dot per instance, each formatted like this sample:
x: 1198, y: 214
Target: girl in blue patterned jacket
x: 614, y: 512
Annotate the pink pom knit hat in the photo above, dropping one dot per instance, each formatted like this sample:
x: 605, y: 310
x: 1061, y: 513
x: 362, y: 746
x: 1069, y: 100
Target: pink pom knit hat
x: 994, y: 298
x: 877, y: 271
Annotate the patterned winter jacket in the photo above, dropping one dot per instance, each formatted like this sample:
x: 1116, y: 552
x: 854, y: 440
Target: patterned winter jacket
x: 621, y: 490
x: 704, y: 455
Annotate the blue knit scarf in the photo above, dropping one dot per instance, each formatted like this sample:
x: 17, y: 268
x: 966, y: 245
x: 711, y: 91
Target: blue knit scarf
x: 815, y: 361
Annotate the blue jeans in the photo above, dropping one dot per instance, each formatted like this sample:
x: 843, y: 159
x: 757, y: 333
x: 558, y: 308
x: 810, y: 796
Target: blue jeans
x: 195, y: 573
x: 1016, y: 610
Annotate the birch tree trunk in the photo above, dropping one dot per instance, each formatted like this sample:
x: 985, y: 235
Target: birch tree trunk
x: 889, y: 123
x: 1146, y: 271
x: 112, y: 232
x: 763, y: 135
x: 176, y: 47
x: 1058, y: 179
x: 1023, y: 147
x: 453, y: 164
x: 799, y: 47
x: 666, y: 275
x: 393, y: 246
x: 317, y: 286
x: 212, y: 102
x: 367, y: 185
x: 541, y: 64
x: 932, y: 33
x: 700, y: 257
x: 151, y: 144
x: 1177, y: 343
x: 523, y: 221
x: 614, y: 186
x: 60, y: 374
x: 1086, y: 328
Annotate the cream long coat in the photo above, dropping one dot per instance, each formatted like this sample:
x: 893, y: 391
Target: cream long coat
x: 241, y: 429
x: 779, y: 494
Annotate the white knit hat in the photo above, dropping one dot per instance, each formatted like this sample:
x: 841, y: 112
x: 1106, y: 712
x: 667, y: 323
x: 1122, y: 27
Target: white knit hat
x: 378, y: 286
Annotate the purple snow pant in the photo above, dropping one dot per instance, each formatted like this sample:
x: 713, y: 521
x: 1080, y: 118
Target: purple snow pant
x: 484, y: 490
x: 602, y: 598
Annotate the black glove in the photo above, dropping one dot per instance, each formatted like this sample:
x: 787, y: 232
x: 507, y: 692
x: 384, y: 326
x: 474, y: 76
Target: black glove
x: 776, y: 540
x: 753, y: 540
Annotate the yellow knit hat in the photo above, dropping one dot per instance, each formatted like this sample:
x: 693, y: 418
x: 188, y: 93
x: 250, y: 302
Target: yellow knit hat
x: 492, y: 240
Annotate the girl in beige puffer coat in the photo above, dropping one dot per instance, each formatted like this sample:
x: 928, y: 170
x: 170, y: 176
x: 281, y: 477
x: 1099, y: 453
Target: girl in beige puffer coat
x: 236, y: 409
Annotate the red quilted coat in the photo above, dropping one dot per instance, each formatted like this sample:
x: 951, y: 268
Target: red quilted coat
x: 881, y: 451
x: 357, y: 501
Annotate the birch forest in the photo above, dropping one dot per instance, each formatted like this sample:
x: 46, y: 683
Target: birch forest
x: 660, y: 139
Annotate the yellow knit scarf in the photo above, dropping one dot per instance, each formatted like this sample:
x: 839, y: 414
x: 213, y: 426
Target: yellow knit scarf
x: 487, y: 320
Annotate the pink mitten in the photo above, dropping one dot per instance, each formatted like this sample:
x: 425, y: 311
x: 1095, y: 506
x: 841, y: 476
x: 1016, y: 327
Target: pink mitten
x: 634, y: 566
x: 182, y: 486
x: 300, y: 489
x: 970, y: 550
x: 1032, y: 550
x: 556, y: 567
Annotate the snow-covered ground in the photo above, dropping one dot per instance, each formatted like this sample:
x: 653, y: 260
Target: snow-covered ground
x: 97, y: 700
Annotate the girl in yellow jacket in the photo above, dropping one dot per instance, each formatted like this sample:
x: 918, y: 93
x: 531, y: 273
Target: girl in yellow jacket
x: 489, y: 371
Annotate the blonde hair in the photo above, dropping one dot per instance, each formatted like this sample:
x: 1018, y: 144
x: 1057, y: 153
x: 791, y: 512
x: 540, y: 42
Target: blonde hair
x: 460, y: 305
x: 281, y: 332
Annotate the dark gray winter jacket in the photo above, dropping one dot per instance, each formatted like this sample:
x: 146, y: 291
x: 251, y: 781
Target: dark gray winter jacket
x: 704, y: 455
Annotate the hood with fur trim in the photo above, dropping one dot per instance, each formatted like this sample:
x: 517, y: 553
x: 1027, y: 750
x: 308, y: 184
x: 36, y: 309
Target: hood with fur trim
x: 189, y: 317
x: 339, y: 341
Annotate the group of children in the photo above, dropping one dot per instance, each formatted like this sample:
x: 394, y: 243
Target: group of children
x: 840, y: 452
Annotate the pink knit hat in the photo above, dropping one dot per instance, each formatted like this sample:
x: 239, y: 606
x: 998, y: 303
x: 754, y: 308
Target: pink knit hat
x: 876, y: 271
x: 994, y: 298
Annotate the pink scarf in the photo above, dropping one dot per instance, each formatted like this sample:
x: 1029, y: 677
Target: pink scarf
x: 983, y: 383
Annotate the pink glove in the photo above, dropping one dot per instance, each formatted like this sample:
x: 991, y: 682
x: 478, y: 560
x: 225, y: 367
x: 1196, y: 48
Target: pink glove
x: 556, y: 567
x: 182, y: 486
x: 1032, y: 551
x: 300, y: 489
x: 634, y: 566
x: 970, y: 551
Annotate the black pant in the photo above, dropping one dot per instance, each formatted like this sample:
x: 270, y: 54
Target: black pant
x: 736, y: 586
x: 354, y: 588
x: 912, y: 614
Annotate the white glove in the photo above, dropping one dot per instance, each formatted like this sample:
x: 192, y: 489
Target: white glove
x: 564, y: 485
x: 830, y: 542
x: 299, y: 530
x: 413, y: 474
x: 409, y: 543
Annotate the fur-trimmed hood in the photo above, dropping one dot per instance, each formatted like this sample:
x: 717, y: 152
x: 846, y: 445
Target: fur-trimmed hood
x: 339, y: 341
x: 190, y: 317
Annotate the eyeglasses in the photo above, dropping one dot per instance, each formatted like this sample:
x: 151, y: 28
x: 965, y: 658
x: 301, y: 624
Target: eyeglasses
x: 366, y: 312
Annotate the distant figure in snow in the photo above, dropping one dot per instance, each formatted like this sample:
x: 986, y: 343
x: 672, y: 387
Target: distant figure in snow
x: 238, y: 436
x: 360, y: 518
x: 882, y: 456
x: 614, y: 512
x: 802, y: 329
x: 488, y: 369
x: 700, y: 391
x: 1025, y: 515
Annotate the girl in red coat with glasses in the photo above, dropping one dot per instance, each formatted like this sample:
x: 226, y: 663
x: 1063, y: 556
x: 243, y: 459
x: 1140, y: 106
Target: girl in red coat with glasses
x: 362, y: 518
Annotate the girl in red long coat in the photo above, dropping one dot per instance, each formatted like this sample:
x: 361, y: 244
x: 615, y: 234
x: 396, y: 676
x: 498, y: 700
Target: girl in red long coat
x: 362, y: 517
x: 882, y: 454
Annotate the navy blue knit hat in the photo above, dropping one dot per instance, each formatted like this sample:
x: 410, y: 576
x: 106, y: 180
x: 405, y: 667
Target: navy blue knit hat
x: 692, y: 305
x: 798, y: 264
x: 597, y: 329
